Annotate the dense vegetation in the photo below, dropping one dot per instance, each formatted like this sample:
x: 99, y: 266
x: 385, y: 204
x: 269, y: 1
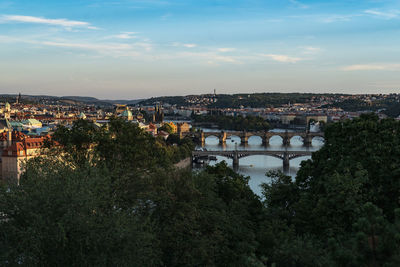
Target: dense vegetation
x: 343, y: 208
x: 262, y: 100
x: 390, y: 105
x: 237, y: 123
x: 172, y: 100
x: 258, y: 100
x: 112, y: 198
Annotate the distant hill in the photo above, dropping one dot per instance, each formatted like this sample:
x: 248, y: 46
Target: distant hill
x: 255, y: 100
x: 69, y: 99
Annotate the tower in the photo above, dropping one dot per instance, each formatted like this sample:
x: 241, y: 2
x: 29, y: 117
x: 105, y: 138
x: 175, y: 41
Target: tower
x: 18, y: 100
x: 215, y: 96
x: 158, y: 115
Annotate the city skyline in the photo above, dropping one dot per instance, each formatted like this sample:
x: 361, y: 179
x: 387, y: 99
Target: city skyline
x: 138, y: 49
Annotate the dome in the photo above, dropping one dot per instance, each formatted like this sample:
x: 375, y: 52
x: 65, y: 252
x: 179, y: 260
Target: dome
x: 127, y: 113
x: 82, y: 116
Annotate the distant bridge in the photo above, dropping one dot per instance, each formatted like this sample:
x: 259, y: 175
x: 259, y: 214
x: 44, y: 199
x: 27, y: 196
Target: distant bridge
x: 265, y: 136
x: 235, y: 155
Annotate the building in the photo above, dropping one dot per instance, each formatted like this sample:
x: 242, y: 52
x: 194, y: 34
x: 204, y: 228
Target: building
x: 119, y: 109
x: 163, y: 134
x: 158, y: 115
x: 16, y: 149
x: 287, y: 118
x: 4, y: 125
x: 82, y: 116
x: 32, y: 123
x: 18, y: 100
x: 127, y: 114
x: 152, y: 129
x: 317, y: 118
x: 183, y: 127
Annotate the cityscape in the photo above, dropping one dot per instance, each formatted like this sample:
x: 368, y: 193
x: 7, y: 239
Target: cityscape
x: 28, y: 121
x: 199, y: 133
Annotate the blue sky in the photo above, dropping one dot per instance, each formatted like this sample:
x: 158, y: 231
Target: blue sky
x: 142, y: 48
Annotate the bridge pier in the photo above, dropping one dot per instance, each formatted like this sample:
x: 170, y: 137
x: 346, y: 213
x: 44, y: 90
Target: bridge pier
x: 235, y: 162
x: 202, y: 139
x: 244, y: 138
x: 286, y: 162
x: 265, y: 139
x: 222, y: 138
x: 307, y: 141
x: 286, y: 141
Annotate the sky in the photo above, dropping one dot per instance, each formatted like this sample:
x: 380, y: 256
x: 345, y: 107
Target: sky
x: 131, y: 49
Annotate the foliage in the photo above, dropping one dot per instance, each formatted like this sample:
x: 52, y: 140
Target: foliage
x: 166, y: 128
x: 389, y: 106
x: 111, y: 196
x: 61, y: 216
x: 125, y: 206
x: 238, y: 123
x: 344, y: 202
x: 257, y: 100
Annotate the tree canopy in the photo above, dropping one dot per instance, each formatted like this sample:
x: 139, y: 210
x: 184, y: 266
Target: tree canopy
x: 111, y: 197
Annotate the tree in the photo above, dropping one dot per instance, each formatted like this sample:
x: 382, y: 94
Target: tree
x: 166, y: 128
x: 343, y: 201
x: 61, y: 216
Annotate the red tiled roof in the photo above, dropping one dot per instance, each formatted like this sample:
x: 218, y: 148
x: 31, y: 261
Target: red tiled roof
x: 20, y: 147
x: 16, y: 136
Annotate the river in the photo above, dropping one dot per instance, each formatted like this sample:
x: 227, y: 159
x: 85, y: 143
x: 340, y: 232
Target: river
x: 257, y: 166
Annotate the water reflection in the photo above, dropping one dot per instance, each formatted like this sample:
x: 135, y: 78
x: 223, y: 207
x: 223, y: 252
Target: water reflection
x: 256, y: 166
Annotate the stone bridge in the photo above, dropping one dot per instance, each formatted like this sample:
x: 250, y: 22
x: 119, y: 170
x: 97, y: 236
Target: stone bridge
x: 265, y: 136
x: 235, y: 155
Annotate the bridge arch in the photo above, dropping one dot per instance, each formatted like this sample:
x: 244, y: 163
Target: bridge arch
x: 296, y: 139
x: 211, y: 139
x: 272, y: 156
x: 318, y: 139
x: 256, y: 139
x: 275, y: 139
x: 228, y: 135
x: 212, y: 136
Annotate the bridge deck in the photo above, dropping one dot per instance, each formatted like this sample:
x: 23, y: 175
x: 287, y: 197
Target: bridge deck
x: 251, y: 152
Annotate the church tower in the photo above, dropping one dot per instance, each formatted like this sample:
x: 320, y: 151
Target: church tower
x: 18, y: 101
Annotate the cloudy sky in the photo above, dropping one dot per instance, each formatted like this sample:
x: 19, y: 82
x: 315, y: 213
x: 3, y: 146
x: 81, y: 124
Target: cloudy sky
x: 141, y: 48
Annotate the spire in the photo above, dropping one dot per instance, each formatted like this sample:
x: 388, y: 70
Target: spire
x: 18, y: 100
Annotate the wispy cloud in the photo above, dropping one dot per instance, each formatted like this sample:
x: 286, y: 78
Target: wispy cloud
x: 110, y: 49
x: 188, y: 45
x: 166, y: 16
x: 383, y: 14
x: 338, y: 18
x: 365, y: 67
x: 39, y: 20
x: 226, y: 50
x: 326, y: 18
x: 126, y: 35
x: 309, y: 50
x: 298, y: 4
x: 210, y: 58
x: 283, y: 58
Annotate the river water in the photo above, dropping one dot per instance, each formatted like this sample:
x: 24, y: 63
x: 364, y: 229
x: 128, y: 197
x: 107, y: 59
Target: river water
x: 257, y: 166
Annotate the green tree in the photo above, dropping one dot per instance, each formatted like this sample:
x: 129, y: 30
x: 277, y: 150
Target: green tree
x: 63, y: 216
